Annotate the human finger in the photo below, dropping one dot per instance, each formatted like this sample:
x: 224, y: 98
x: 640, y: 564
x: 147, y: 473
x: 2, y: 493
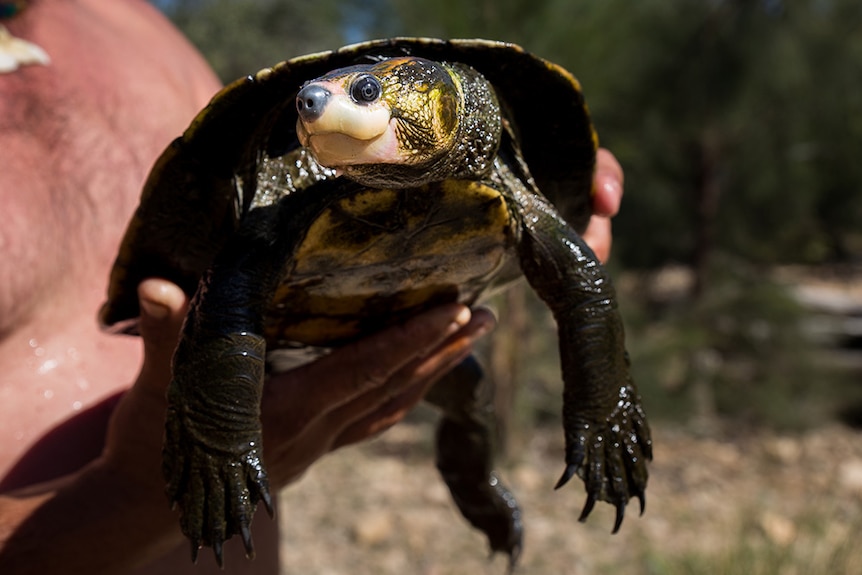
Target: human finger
x: 359, y: 367
x: 608, y: 184
x: 607, y: 196
x: 599, y: 237
x: 382, y: 408
x: 163, y: 307
x: 134, y: 441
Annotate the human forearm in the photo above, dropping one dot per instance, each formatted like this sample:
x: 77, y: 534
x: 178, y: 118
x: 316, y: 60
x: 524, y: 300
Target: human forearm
x: 95, y: 521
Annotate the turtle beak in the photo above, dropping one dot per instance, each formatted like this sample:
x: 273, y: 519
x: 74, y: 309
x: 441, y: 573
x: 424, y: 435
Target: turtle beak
x: 311, y: 101
x: 340, y: 132
x: 324, y: 108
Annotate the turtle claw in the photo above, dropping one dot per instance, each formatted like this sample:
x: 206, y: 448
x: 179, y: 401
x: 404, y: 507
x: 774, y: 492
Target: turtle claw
x: 216, y: 492
x: 588, y: 507
x: 267, y: 503
x: 621, y: 512
x: 245, y: 533
x: 568, y: 473
x: 213, y: 465
x: 218, y: 501
x: 611, y: 459
x: 217, y: 551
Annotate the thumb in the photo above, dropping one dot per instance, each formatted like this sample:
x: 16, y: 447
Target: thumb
x: 135, y: 436
x: 599, y: 237
x: 163, y: 308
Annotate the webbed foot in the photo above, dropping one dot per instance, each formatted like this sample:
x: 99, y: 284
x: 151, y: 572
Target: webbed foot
x: 612, y: 458
x: 464, y: 458
x: 212, y: 457
x: 480, y: 496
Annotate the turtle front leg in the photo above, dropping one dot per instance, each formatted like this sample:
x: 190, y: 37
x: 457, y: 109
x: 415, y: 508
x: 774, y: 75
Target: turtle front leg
x: 608, y: 439
x: 465, y: 454
x: 213, y: 452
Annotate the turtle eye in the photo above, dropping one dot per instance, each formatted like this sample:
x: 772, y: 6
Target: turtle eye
x: 365, y: 89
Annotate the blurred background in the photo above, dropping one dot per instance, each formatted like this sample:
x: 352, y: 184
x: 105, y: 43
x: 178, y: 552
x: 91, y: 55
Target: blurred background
x: 738, y: 258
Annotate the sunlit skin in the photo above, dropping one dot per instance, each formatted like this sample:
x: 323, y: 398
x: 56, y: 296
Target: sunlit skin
x: 82, y: 412
x: 608, y: 190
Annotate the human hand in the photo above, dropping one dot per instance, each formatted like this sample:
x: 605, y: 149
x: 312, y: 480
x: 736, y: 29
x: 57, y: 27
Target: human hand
x: 363, y: 388
x: 608, y: 187
x: 355, y: 392
x: 134, y: 442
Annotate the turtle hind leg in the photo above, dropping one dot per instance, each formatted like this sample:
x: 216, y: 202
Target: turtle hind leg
x: 480, y: 496
x: 464, y: 457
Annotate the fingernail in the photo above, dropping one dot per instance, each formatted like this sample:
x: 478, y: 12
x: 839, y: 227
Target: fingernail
x: 608, y: 194
x: 460, y: 320
x: 611, y: 184
x: 483, y: 328
x: 446, y: 319
x: 154, y: 310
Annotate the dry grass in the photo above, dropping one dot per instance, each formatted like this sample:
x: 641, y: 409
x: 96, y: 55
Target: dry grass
x: 760, y: 504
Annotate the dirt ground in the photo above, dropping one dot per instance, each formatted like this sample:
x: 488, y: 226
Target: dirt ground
x: 755, y: 503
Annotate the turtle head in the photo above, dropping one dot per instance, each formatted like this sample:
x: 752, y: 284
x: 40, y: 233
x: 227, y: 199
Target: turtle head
x: 400, y: 122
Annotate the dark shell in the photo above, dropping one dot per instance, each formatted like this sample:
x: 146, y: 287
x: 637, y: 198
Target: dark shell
x: 203, y: 183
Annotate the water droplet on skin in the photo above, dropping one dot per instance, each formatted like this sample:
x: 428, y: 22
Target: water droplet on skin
x: 34, y: 343
x: 76, y: 406
x: 47, y: 366
x: 48, y: 394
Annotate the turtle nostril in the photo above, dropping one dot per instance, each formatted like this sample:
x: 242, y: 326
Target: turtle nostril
x: 311, y: 101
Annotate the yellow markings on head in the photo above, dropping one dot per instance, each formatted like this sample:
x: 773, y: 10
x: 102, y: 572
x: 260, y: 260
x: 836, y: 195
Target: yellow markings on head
x: 414, y: 119
x: 424, y: 98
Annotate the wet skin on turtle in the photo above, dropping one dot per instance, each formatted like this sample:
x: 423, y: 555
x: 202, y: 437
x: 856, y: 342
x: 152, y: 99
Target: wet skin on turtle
x: 406, y: 173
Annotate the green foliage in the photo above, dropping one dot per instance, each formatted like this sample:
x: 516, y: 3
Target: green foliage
x: 794, y: 165
x: 510, y: 20
x: 739, y: 125
x: 755, y: 101
x: 738, y: 354
x: 239, y: 37
x: 750, y: 105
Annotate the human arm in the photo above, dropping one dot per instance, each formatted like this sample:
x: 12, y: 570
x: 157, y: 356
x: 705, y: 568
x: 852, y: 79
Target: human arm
x: 113, y: 514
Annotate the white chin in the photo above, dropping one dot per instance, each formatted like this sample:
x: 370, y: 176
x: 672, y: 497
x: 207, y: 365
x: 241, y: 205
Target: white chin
x: 334, y: 150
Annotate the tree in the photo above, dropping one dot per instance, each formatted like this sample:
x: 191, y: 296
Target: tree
x: 239, y: 37
x: 736, y: 120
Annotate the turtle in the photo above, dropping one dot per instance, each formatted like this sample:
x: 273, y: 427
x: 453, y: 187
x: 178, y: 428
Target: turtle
x: 341, y: 192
